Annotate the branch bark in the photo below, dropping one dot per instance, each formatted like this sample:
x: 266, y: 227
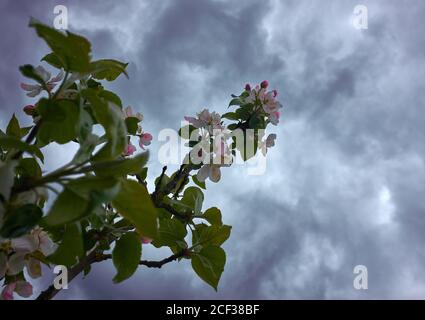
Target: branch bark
x: 95, y: 256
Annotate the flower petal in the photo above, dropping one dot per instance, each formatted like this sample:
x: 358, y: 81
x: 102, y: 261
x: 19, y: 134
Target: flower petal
x: 24, y: 289
x: 58, y: 77
x: 203, y: 173
x: 29, y: 87
x: 128, y: 112
x: 215, y: 173
x: 27, y: 243
x: 33, y: 268
x: 15, y: 263
x: 34, y: 93
x: 7, y: 293
x: 43, y: 73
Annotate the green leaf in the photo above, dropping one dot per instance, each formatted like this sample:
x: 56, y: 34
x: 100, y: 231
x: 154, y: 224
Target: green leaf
x: 134, y: 203
x: 110, y: 117
x: 171, y: 233
x: 79, y: 198
x: 7, y: 175
x: 111, y: 97
x: 7, y: 142
x: 193, y: 197
x: 211, y: 235
x: 69, y: 206
x: 54, y: 60
x: 71, y: 247
x: 122, y: 167
x: 199, y: 183
x: 85, y: 151
x: 21, y: 221
x: 107, y: 69
x: 85, y: 126
x: 230, y: 116
x: 243, y: 113
x: 213, y: 216
x: 235, y: 102
x: 13, y: 128
x: 91, y: 83
x: 25, y: 131
x: 143, y: 173
x: 29, y: 71
x: 209, y: 264
x: 132, y: 124
x: 126, y: 256
x: 28, y: 167
x: 73, y: 51
x: 61, y: 120
x: 232, y: 126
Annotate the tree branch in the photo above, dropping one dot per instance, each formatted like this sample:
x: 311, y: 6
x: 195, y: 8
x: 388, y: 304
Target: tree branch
x: 95, y: 256
x: 154, y: 264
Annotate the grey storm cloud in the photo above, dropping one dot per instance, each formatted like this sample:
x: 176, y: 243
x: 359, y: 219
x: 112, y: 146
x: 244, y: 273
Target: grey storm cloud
x: 344, y: 183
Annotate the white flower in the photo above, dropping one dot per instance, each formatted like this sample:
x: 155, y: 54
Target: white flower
x: 128, y: 113
x: 211, y: 171
x: 22, y: 288
x: 207, y: 120
x: 35, y: 89
x: 37, y: 240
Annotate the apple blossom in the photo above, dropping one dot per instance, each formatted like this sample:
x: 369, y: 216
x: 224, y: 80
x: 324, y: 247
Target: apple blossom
x: 211, y: 171
x: 128, y: 113
x: 22, y: 288
x: 35, y: 89
x: 37, y: 240
x: 205, y: 119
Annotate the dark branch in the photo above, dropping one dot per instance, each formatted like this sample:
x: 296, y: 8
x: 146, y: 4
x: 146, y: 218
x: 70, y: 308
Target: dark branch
x: 154, y: 264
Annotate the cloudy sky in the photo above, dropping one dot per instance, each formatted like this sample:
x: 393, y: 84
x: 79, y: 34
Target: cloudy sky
x: 345, y: 182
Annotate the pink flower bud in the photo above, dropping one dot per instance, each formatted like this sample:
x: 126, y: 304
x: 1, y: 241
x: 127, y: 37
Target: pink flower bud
x: 145, y: 240
x: 145, y: 140
x: 274, y: 93
x: 264, y: 84
x: 7, y: 293
x: 129, y: 150
x: 29, y: 110
x: 247, y: 87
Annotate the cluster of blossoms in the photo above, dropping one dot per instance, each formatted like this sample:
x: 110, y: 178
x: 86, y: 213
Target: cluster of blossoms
x: 259, y: 96
x: 213, y: 150
x: 145, y: 138
x: 20, y: 253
